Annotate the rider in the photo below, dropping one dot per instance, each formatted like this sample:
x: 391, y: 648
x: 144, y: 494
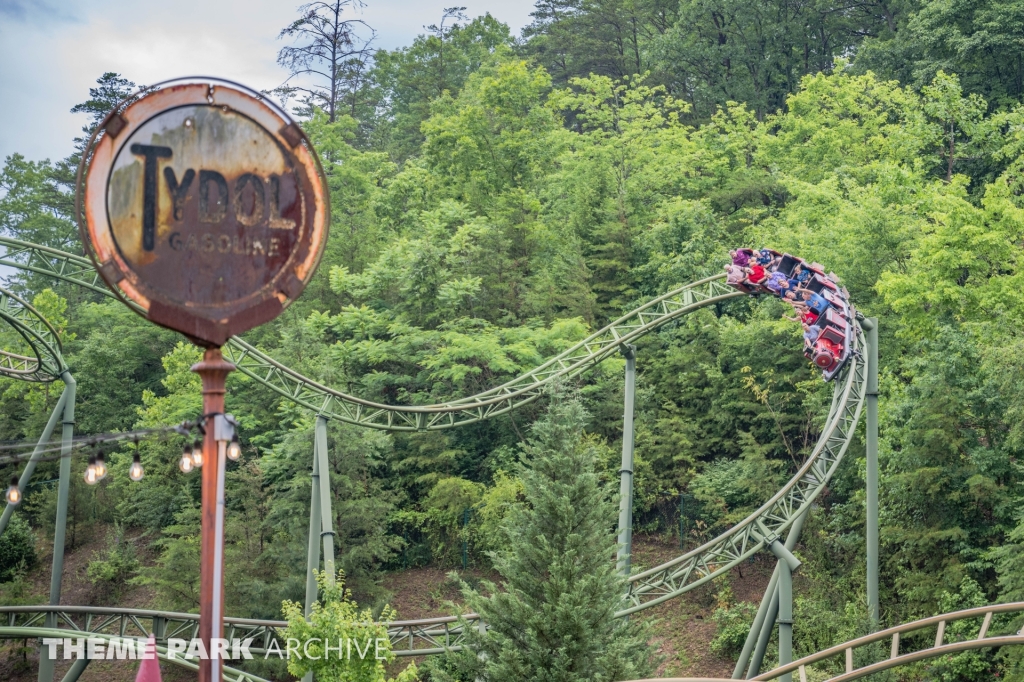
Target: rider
x: 815, y: 301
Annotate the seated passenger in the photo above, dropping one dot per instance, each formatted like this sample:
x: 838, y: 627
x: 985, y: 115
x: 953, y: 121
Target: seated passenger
x: 756, y: 274
x: 777, y: 283
x: 734, y: 274
x: 801, y: 274
x: 801, y: 313
x: 740, y: 257
x: 815, y: 302
x: 766, y: 258
x: 810, y: 335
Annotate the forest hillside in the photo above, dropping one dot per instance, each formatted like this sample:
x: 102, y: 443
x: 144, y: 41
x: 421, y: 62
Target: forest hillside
x: 495, y: 198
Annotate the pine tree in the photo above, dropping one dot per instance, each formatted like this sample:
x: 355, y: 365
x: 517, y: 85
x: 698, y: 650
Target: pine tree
x: 552, y: 618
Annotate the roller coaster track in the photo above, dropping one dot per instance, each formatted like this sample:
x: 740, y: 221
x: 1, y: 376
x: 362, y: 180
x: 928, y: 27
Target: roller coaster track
x: 647, y: 588
x: 902, y: 650
x: 47, y: 361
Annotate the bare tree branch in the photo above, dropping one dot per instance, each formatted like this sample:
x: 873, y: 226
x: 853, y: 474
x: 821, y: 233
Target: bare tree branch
x: 327, y: 48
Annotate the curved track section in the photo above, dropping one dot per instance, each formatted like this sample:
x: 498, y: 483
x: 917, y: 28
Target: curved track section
x: 901, y: 652
x: 230, y: 674
x: 337, y: 405
x: 47, y: 361
x: 775, y: 516
x: 647, y: 588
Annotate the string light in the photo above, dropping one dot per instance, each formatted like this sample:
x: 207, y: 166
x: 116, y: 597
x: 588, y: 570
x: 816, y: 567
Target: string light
x: 14, y: 492
x: 100, y: 466
x: 192, y: 457
x: 234, y: 449
x: 186, y: 465
x: 135, y: 470
x: 90, y: 471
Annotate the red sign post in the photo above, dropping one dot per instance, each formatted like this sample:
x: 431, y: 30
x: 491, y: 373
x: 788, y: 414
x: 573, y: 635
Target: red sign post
x: 203, y: 206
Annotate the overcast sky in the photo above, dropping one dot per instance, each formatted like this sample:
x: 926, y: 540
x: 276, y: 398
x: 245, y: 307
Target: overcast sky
x: 52, y: 51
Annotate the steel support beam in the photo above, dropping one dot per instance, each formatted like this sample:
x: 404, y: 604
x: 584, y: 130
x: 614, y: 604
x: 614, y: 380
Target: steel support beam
x: 764, y: 621
x: 766, y: 631
x: 313, y: 550
x: 60, y: 525
x: 37, y: 453
x: 626, y: 471
x: 326, y: 517
x: 871, y: 440
x: 76, y: 670
x: 787, y: 564
x: 762, y: 616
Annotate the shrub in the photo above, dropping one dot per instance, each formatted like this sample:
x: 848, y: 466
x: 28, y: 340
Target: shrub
x: 733, y: 623
x: 17, y: 549
x: 335, y: 618
x: 112, y: 568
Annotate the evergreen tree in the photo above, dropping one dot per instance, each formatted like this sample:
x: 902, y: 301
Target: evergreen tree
x: 553, y: 616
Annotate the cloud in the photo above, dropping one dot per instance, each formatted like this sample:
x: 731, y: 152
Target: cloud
x: 49, y: 59
x: 34, y: 11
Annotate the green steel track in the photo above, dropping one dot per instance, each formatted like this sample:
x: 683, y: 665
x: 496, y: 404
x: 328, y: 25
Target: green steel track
x: 46, y: 362
x: 647, y: 588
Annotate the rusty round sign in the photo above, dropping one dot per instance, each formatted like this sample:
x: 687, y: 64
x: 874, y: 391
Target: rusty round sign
x: 204, y: 205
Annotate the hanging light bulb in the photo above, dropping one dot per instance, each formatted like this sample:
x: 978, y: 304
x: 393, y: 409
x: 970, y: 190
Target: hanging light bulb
x: 135, y: 470
x: 197, y: 453
x: 186, y: 464
x: 234, y: 449
x: 14, y: 492
x: 100, y: 467
x: 90, y: 471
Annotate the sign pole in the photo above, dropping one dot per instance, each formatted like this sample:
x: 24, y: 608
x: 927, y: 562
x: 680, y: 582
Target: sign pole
x: 204, y: 207
x: 213, y: 371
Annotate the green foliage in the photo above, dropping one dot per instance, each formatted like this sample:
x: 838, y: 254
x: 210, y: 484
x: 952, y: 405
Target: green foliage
x: 494, y: 202
x: 979, y: 40
x: 732, y: 623
x: 448, y: 506
x: 495, y: 505
x: 439, y: 62
x: 968, y: 665
x: 720, y: 51
x: 17, y: 549
x: 553, y: 616
x: 175, y: 575
x: 336, y: 620
x: 116, y: 565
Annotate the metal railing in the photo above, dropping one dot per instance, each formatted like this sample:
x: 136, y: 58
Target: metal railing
x: 897, y: 640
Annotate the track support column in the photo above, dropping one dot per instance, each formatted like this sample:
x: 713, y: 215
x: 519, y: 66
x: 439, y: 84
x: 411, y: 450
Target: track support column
x: 871, y: 440
x: 764, y: 621
x: 76, y: 670
x: 313, y: 551
x: 626, y: 471
x: 30, y: 467
x: 60, y: 525
x: 326, y: 516
x: 787, y: 564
